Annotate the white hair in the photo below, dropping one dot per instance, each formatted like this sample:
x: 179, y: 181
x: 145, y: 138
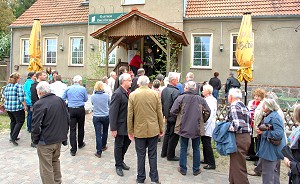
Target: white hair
x: 209, y: 88
x: 112, y: 73
x: 77, y: 78
x: 190, y: 85
x: 123, y: 77
x: 235, y: 93
x: 143, y: 81
x: 172, y: 76
x: 190, y: 76
x: 43, y: 87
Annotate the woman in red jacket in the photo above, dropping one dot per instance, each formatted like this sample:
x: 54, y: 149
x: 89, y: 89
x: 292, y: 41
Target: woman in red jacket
x: 136, y: 62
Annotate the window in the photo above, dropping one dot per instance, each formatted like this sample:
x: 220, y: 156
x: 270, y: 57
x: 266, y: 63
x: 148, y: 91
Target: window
x: 233, y: 61
x: 77, y: 51
x: 50, y: 51
x: 201, y: 50
x: 25, y: 58
x: 111, y: 57
x: 130, y: 2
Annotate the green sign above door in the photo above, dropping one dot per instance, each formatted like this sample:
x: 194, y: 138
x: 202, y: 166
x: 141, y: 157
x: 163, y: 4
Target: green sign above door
x: 103, y: 18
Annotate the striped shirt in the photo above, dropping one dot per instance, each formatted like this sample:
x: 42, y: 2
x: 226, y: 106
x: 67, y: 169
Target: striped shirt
x: 14, y: 96
x: 239, y: 116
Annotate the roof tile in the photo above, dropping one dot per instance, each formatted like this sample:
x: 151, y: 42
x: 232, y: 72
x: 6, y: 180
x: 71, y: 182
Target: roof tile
x: 232, y: 8
x: 54, y: 12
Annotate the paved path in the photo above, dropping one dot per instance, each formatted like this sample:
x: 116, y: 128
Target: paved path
x: 20, y: 164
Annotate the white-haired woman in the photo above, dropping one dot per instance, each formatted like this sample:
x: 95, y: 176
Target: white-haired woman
x: 294, y: 140
x: 271, y: 143
x: 209, y: 126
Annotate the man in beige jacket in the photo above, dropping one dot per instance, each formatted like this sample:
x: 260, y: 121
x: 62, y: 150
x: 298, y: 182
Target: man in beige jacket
x: 145, y: 124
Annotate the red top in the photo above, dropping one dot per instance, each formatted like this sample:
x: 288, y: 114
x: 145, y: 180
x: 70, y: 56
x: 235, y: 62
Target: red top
x: 136, y: 61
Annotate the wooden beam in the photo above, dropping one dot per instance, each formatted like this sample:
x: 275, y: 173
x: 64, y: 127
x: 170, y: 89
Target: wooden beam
x: 107, y: 55
x: 168, y: 56
x: 158, y: 44
x: 113, y: 46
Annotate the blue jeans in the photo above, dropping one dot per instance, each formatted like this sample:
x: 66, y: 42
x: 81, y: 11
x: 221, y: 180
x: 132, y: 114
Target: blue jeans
x: 29, y: 118
x: 183, y: 154
x: 215, y: 93
x: 101, y: 130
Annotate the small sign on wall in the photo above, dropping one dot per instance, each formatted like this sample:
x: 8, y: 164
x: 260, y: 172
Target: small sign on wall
x: 103, y: 18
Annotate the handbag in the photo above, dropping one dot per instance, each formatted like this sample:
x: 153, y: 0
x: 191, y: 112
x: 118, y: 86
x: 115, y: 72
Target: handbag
x: 274, y: 141
x: 287, y: 152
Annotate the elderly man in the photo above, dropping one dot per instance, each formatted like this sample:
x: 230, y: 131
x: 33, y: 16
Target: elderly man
x: 76, y: 96
x: 134, y: 85
x: 168, y: 96
x: 194, y: 112
x: 50, y: 125
x: 118, y: 122
x: 145, y: 124
x: 190, y: 77
x: 112, y: 80
x: 239, y: 116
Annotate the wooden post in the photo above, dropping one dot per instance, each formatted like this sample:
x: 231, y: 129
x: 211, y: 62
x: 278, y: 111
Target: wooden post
x: 106, y: 55
x: 168, y: 56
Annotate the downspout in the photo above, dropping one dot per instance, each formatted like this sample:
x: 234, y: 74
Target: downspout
x: 11, y: 51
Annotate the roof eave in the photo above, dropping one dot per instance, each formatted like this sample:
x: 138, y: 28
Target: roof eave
x: 239, y: 17
x: 51, y: 25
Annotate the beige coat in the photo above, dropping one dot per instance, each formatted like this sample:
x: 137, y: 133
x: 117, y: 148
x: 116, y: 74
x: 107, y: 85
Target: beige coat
x: 145, y: 118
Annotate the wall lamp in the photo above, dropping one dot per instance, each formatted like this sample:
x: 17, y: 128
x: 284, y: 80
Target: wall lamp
x: 221, y: 47
x: 92, y: 46
x: 61, y: 47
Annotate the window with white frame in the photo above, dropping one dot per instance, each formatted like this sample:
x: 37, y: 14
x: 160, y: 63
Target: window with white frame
x: 111, y: 57
x: 233, y: 62
x: 25, y: 58
x: 201, y: 50
x: 130, y: 2
x: 50, y: 51
x: 77, y: 50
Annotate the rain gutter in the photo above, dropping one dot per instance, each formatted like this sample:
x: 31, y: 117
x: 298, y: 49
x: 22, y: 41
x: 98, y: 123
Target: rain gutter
x: 11, y: 49
x: 240, y: 17
x: 52, y: 25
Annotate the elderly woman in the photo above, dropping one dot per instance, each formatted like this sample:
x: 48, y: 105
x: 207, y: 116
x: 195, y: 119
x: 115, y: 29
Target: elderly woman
x: 209, y: 126
x: 100, y: 101
x: 295, y: 147
x: 255, y: 107
x: 271, y: 131
x: 15, y: 106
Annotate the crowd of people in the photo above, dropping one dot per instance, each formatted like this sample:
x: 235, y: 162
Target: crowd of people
x: 134, y: 108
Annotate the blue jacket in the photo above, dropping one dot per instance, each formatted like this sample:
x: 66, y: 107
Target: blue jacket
x: 225, y: 140
x: 267, y: 150
x: 27, y: 87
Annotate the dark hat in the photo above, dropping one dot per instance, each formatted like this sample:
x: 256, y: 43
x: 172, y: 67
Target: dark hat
x: 30, y: 74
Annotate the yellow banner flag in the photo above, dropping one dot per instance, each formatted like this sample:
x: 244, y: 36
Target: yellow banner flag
x: 35, y: 47
x: 245, y: 49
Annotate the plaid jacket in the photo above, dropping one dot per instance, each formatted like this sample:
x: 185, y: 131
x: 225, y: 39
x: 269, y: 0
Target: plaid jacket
x: 14, y: 96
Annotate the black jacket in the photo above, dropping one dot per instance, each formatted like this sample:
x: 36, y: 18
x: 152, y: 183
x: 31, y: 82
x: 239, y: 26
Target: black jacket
x: 50, y: 120
x: 118, y: 111
x: 215, y: 83
x: 231, y: 83
x: 134, y: 84
x: 168, y: 96
x: 34, y: 95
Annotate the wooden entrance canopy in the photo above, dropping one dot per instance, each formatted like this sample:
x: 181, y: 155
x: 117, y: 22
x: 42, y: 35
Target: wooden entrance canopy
x: 133, y: 26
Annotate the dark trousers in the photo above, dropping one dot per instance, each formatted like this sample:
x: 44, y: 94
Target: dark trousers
x: 237, y: 168
x: 17, y: 119
x: 141, y: 145
x: 122, y: 143
x: 170, y: 141
x: 134, y: 69
x: 208, y: 153
x: 148, y: 70
x: 77, y: 116
x: 101, y: 130
x: 253, y: 148
x: 29, y: 118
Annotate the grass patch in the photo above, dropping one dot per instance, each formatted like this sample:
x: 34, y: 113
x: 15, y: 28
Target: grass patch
x: 4, y: 122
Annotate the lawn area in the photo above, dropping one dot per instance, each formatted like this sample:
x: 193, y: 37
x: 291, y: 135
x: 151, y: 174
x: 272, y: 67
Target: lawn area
x: 4, y: 122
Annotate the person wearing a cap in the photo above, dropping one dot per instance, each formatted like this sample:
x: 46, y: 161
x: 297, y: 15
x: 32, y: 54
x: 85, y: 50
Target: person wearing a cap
x: 30, y: 80
x: 269, y: 153
x: 76, y: 96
